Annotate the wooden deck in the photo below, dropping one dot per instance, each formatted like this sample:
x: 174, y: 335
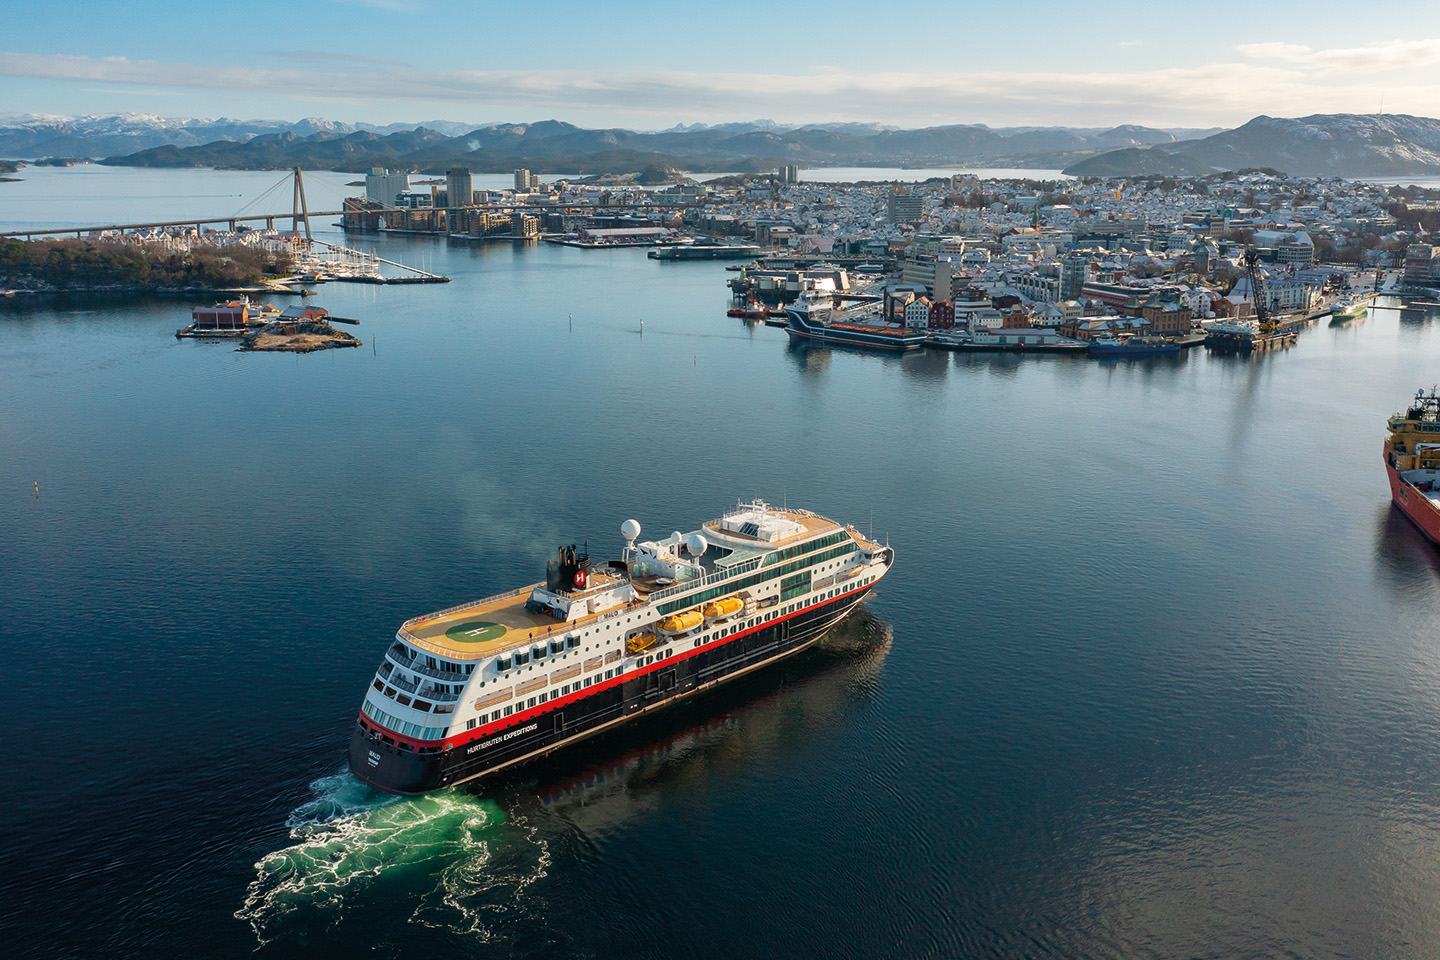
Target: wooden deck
x: 491, y: 626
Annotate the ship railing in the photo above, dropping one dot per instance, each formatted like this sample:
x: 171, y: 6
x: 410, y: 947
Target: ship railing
x: 463, y: 606
x: 420, y: 690
x: 400, y: 683
x: 746, y: 567
x: 415, y: 666
x: 617, y: 578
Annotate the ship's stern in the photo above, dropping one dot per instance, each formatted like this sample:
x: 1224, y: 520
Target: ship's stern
x: 388, y: 767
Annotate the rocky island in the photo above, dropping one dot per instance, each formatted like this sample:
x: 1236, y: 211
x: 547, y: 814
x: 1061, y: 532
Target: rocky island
x: 306, y: 336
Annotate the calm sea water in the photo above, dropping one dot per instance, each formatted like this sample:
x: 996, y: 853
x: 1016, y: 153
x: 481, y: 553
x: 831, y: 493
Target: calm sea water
x: 1156, y: 673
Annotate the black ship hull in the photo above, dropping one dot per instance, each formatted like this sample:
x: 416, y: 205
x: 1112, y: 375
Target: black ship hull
x: 546, y: 727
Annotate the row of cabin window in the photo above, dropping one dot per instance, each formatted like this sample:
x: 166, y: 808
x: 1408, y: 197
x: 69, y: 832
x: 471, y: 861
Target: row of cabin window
x: 402, y: 727
x: 387, y: 669
x: 424, y: 706
x: 563, y: 691
x: 402, y: 652
x: 829, y: 540
x: 740, y: 583
x: 521, y: 657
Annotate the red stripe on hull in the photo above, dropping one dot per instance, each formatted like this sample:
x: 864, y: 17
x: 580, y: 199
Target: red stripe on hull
x: 1413, y: 503
x: 522, y: 716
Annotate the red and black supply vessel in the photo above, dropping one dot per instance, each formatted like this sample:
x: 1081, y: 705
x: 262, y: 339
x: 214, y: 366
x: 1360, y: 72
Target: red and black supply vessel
x: 1412, y: 461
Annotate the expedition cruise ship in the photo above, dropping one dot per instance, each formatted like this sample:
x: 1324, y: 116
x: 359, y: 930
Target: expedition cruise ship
x: 476, y: 688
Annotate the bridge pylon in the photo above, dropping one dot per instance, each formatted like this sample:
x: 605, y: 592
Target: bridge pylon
x: 299, y: 210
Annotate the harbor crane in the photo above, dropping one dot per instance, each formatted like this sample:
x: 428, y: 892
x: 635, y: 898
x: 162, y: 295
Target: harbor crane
x: 1267, y: 322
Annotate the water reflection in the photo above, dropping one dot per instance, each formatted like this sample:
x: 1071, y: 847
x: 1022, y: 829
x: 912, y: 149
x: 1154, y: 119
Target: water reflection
x: 1007, y: 365
x: 752, y: 723
x: 1405, y: 560
x: 810, y: 361
x: 926, y: 364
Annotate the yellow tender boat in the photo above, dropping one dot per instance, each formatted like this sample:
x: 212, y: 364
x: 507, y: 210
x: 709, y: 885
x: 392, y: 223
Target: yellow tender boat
x: 680, y: 622
x: 643, y: 642
x: 724, y: 607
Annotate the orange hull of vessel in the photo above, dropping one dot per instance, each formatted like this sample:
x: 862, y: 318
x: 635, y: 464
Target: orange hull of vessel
x: 1412, y: 502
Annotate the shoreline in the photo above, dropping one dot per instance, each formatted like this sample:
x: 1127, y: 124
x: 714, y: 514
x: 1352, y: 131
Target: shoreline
x: 21, y: 295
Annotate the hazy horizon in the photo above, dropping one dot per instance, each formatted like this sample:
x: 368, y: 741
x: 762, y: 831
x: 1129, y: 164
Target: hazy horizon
x: 645, y: 66
x: 16, y: 117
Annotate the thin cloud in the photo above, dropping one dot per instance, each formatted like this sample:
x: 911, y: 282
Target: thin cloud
x: 1377, y: 57
x: 1206, y: 94
x: 1276, y: 50
x: 394, y: 6
x: 332, y: 56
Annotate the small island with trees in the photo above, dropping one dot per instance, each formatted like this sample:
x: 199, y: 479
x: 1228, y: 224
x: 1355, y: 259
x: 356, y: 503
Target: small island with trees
x: 106, y: 266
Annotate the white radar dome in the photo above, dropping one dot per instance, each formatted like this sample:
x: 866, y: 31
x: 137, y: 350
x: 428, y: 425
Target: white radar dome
x: 696, y: 544
x: 629, y: 529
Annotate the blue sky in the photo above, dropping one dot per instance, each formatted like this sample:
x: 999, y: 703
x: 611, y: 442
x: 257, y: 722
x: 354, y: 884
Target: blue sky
x: 649, y: 65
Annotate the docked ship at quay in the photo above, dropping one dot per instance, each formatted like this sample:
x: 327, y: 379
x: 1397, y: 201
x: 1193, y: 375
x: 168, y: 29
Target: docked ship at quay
x: 814, y: 317
x: 481, y: 687
x: 1412, y: 462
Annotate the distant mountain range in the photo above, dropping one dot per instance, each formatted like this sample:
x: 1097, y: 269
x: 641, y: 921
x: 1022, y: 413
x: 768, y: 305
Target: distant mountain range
x: 550, y: 146
x: 30, y: 136
x: 1323, y: 145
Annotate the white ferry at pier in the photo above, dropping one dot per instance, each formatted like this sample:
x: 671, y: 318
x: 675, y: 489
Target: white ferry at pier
x: 484, y: 686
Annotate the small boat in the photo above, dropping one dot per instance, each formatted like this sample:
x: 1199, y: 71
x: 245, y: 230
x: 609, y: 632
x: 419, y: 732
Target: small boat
x: 753, y: 310
x: 722, y: 608
x: 678, y: 623
x: 1347, y: 309
x: 638, y: 643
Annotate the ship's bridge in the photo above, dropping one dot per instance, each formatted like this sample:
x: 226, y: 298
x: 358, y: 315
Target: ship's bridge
x: 758, y: 527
